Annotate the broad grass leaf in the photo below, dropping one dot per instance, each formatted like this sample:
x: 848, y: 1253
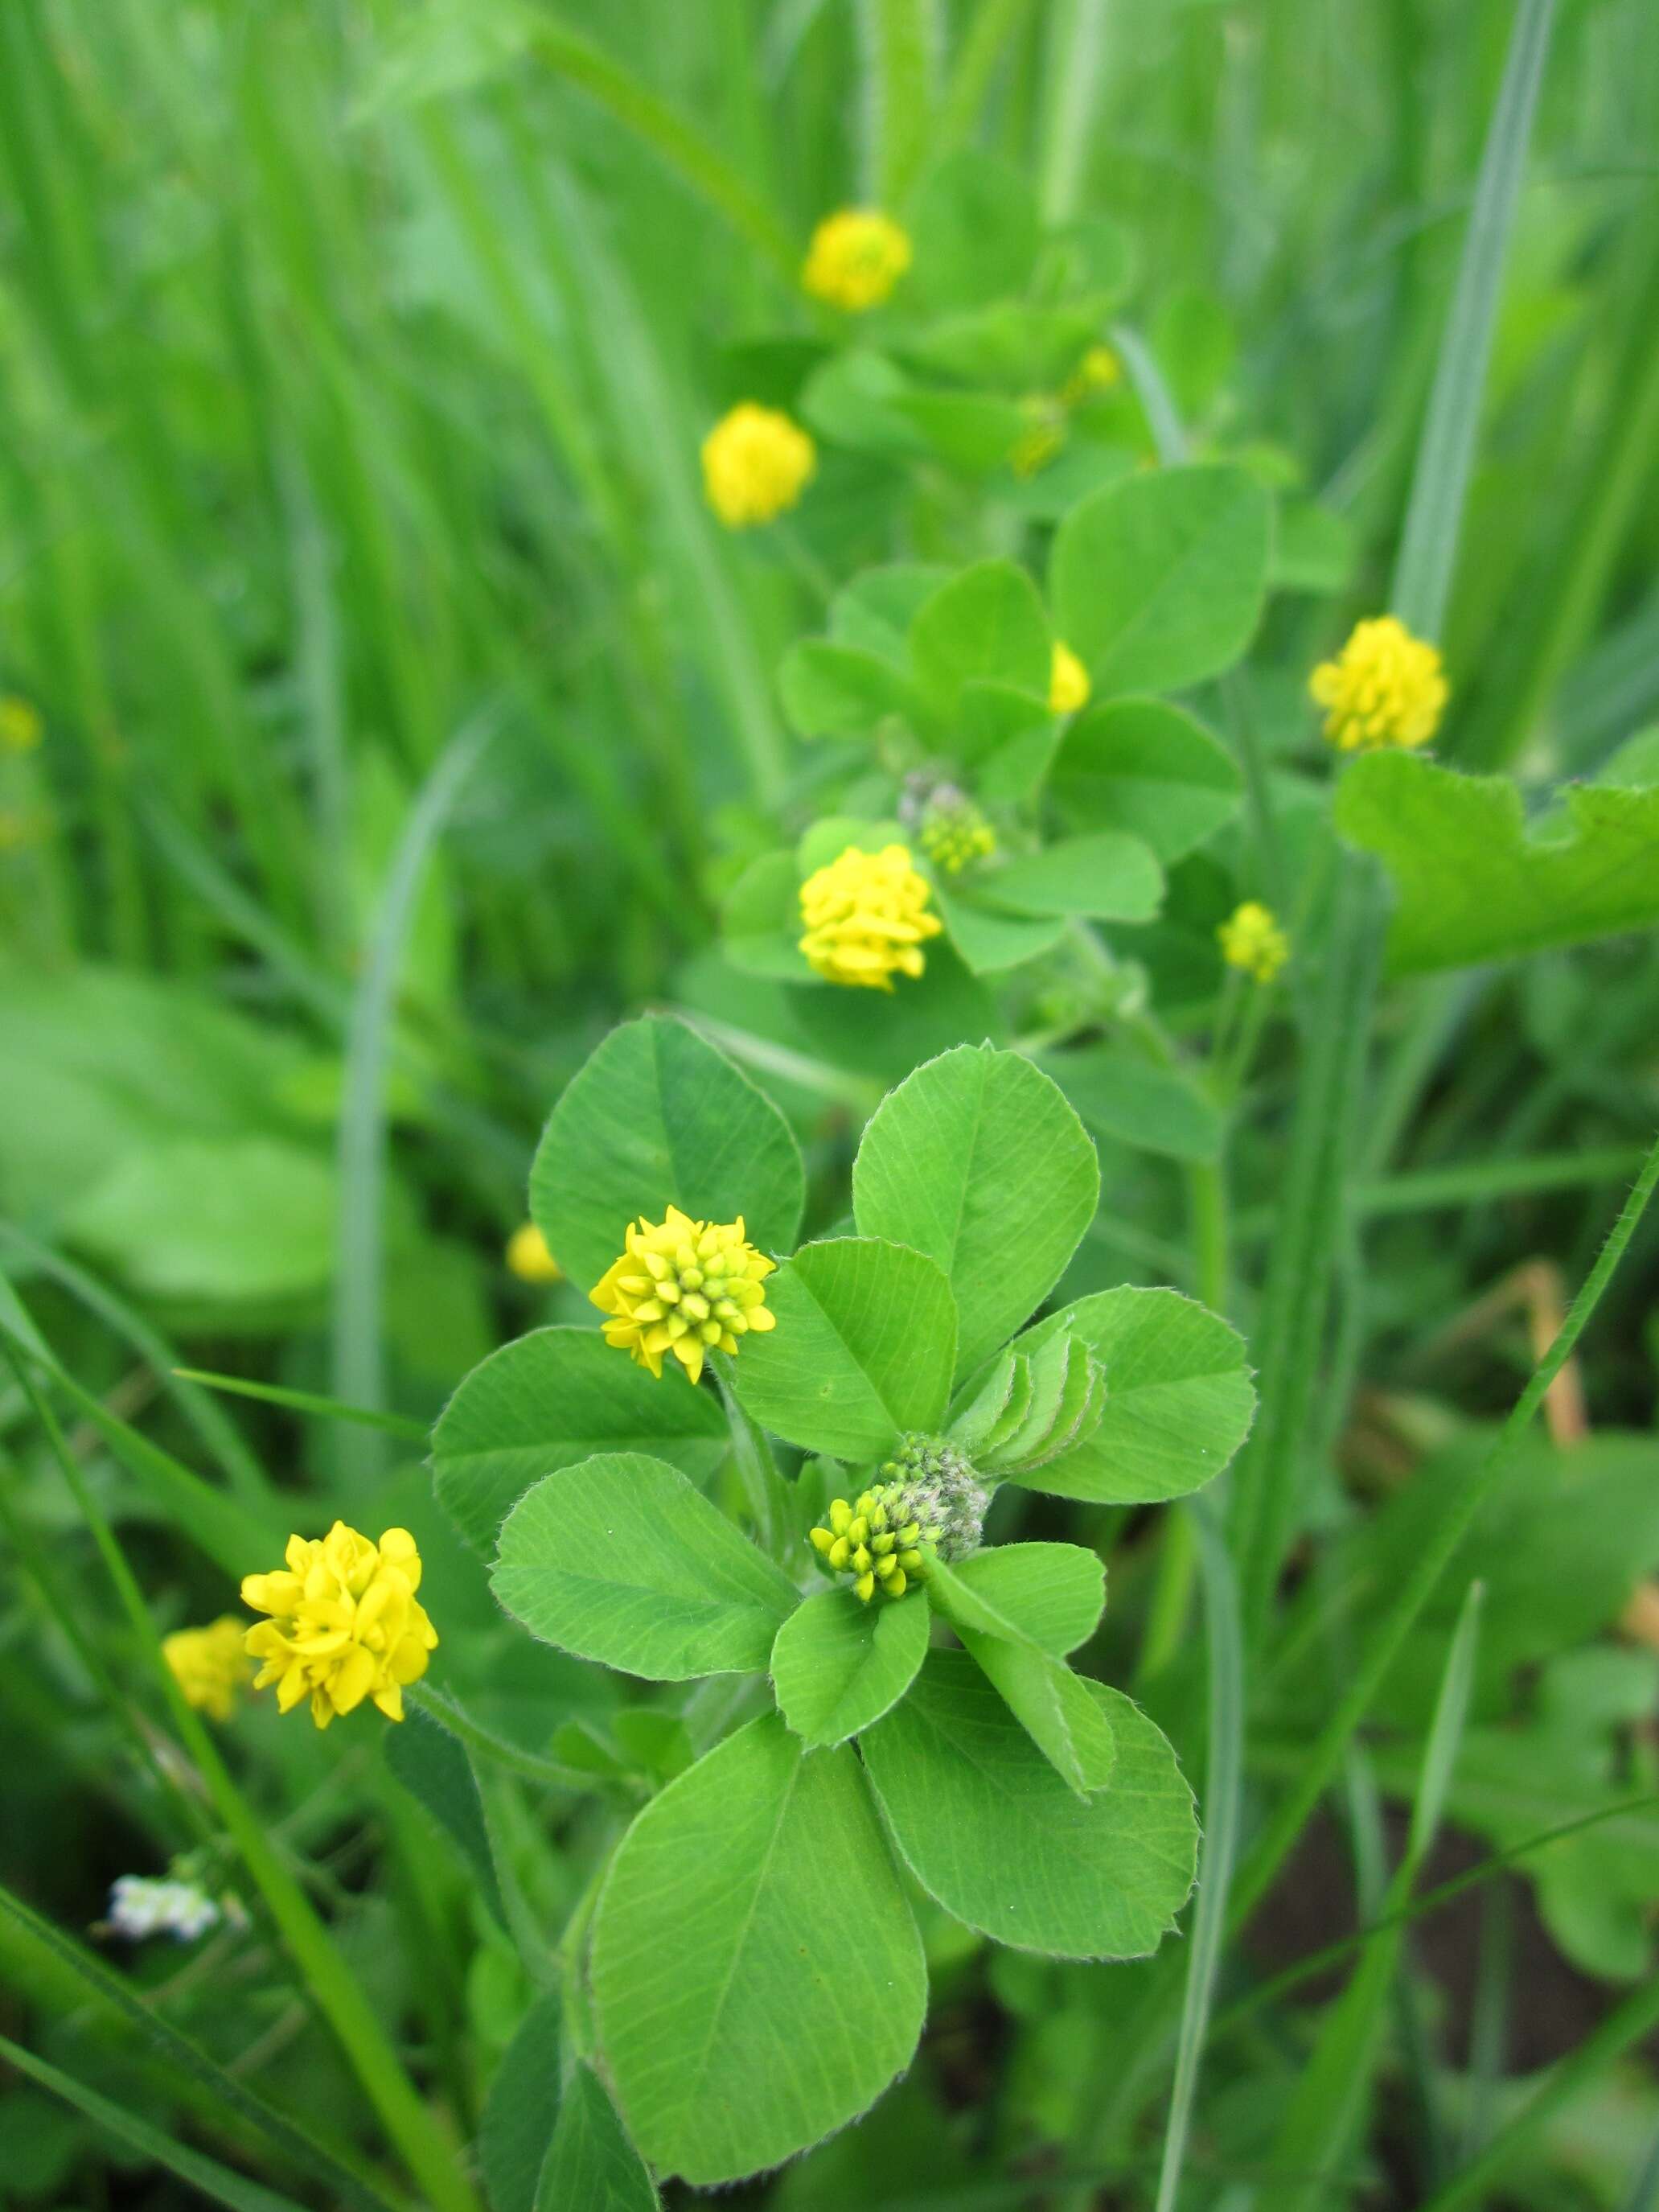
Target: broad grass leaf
x: 1055, y: 1706
x: 657, y: 1117
x: 433, y: 1765
x: 985, y: 625
x: 548, y: 1401
x: 1470, y: 883
x: 1107, y: 874
x: 521, y: 2107
x: 1179, y: 1398
x: 1131, y: 1101
x: 837, y: 1664
x: 590, y: 2163
x: 738, y: 2022
x: 1145, y: 767
x: 864, y: 1348
x: 831, y: 691
x: 991, y: 1831
x: 1158, y: 580
x: 978, y: 1161
x: 1053, y: 1593
x: 620, y: 1560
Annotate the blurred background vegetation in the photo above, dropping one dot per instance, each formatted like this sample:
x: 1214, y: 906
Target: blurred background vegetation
x: 354, y: 358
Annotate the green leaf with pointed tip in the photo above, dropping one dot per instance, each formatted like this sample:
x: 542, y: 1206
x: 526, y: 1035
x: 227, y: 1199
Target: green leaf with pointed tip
x: 1050, y: 1701
x: 738, y: 2022
x: 990, y: 1829
x: 761, y: 923
x: 837, y: 1664
x: 989, y: 940
x: 1179, y: 1399
x: 620, y: 1560
x: 864, y: 1348
x: 987, y: 625
x: 549, y: 1399
x: 590, y: 2161
x: 1158, y: 580
x: 831, y: 691
x: 657, y: 1117
x: 521, y: 2108
x: 978, y: 1161
x: 1142, y: 765
x: 829, y: 837
x: 876, y: 609
x: 1055, y: 1593
x: 1107, y: 874
x: 1471, y: 884
x: 434, y: 1766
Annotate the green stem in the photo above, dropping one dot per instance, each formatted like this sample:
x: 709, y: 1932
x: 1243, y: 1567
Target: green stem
x: 765, y: 1489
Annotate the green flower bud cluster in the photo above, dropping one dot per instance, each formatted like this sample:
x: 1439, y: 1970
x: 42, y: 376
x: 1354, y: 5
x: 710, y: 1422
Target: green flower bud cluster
x: 954, y: 832
x: 932, y: 1482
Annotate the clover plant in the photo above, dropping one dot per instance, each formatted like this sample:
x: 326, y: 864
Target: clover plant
x: 907, y: 1731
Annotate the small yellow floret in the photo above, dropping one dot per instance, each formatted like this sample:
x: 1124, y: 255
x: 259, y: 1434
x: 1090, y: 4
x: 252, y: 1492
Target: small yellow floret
x: 1099, y: 371
x: 528, y: 1257
x: 867, y: 1542
x: 867, y: 918
x: 210, y: 1665
x: 755, y: 464
x: 684, y: 1287
x: 855, y: 258
x: 1068, y: 681
x: 1384, y: 688
x: 955, y: 835
x: 21, y: 726
x: 1251, y: 939
x: 345, y: 1623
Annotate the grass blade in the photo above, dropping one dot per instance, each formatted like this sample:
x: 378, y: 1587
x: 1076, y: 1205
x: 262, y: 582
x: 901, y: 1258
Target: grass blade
x: 1446, y: 457
x: 307, y: 1401
x: 899, y: 38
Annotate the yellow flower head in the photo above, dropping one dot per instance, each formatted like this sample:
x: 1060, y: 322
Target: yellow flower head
x: 867, y: 918
x: 953, y: 831
x: 869, y: 1542
x: 755, y: 464
x: 1251, y: 939
x: 21, y: 726
x: 1099, y: 370
x: 1042, y: 437
x: 1384, y: 688
x: 345, y: 1623
x: 685, y: 1287
x: 528, y: 1257
x: 855, y: 258
x: 1068, y: 681
x: 210, y: 1665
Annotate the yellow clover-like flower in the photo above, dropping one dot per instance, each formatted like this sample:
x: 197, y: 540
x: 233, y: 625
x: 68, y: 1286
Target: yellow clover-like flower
x: 1099, y: 370
x: 1251, y: 939
x: 755, y: 464
x: 1068, y: 681
x: 345, y: 1623
x: 856, y: 257
x: 685, y: 1287
x: 867, y: 918
x: 210, y: 1665
x: 869, y: 1542
x: 1384, y: 688
x: 529, y: 1258
x: 21, y: 726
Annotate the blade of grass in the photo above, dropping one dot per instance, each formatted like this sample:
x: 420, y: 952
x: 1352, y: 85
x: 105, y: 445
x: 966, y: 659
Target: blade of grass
x: 1458, y: 1511
x: 1225, y: 1644
x: 215, y: 2181
x: 307, y: 1401
x: 1076, y: 67
x: 360, y: 1257
x: 1445, y: 456
x: 677, y: 143
x: 898, y: 38
x: 1324, y: 2115
x: 331, y: 1986
x: 111, y: 1990
x: 996, y: 22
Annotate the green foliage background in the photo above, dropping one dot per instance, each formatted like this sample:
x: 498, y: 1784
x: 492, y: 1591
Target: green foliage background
x: 409, y: 724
